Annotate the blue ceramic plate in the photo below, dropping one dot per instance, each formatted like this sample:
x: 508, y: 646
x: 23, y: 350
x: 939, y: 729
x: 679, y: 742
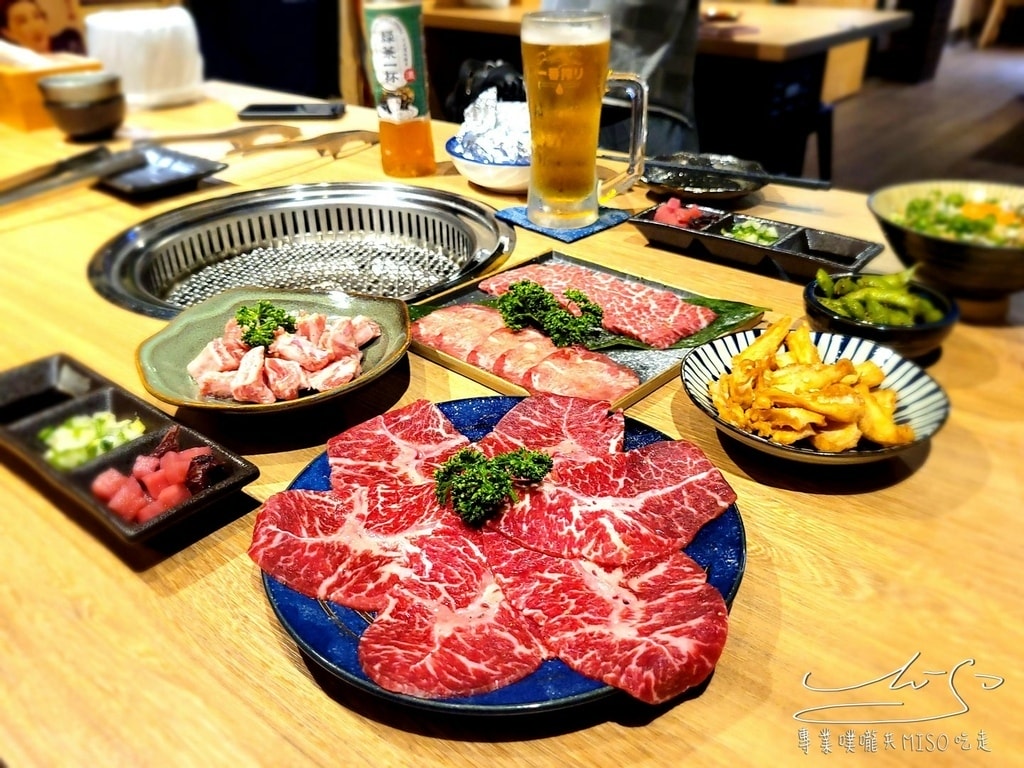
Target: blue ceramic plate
x: 920, y: 401
x: 329, y: 633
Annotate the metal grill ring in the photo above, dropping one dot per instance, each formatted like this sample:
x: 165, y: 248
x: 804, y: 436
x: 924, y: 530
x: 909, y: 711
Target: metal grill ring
x: 380, y: 239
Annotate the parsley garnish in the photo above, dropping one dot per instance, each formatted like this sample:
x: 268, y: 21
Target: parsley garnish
x: 260, y: 322
x: 477, y: 486
x: 527, y: 303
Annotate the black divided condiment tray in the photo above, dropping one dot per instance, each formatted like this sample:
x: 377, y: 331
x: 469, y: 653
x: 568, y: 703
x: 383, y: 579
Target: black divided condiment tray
x: 797, y: 255
x: 45, y: 392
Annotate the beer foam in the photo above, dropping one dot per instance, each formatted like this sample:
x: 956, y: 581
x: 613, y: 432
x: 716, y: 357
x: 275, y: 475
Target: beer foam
x: 587, y: 29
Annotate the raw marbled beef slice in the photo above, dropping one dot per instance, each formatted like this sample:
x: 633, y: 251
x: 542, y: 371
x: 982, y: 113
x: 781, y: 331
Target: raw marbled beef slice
x: 653, y: 628
x: 317, y: 543
x: 656, y: 316
x: 622, y: 507
x: 563, y: 426
x: 448, y: 631
x: 401, y: 447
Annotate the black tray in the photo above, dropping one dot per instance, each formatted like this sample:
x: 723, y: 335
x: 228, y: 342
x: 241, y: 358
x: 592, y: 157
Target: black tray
x: 796, y: 255
x: 48, y: 391
x: 166, y: 172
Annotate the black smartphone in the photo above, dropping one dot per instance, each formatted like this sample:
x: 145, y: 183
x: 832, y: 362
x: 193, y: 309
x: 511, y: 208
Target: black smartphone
x: 331, y: 111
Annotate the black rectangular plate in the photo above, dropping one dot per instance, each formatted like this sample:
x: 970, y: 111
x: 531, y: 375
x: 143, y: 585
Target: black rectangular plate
x: 166, y: 172
x: 47, y: 391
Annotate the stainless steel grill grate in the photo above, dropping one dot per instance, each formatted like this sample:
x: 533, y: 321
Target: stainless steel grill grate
x: 381, y: 239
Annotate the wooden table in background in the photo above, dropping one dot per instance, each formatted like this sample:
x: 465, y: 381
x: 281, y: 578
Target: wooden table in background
x: 758, y: 81
x: 170, y: 654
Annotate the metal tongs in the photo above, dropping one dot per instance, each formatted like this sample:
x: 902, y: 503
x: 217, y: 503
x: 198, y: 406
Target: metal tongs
x: 239, y: 138
x: 326, y: 144
x: 86, y: 167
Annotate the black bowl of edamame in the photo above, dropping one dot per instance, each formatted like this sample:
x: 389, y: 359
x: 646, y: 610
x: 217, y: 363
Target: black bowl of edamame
x: 893, y: 310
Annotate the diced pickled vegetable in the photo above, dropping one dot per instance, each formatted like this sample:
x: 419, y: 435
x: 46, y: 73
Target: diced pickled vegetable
x: 753, y: 232
x: 81, y: 438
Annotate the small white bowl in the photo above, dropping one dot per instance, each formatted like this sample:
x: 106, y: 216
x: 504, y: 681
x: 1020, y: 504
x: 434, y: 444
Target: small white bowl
x: 498, y: 177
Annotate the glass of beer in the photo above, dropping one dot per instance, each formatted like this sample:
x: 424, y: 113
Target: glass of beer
x: 565, y: 68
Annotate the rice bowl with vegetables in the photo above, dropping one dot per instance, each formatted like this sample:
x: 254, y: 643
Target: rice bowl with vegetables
x: 967, y: 237
x: 955, y: 216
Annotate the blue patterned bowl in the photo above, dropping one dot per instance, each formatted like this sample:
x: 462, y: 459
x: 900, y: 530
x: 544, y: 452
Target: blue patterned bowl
x: 920, y: 401
x: 497, y: 177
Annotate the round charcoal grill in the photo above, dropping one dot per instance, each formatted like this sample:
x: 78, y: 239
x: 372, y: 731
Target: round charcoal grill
x: 383, y: 239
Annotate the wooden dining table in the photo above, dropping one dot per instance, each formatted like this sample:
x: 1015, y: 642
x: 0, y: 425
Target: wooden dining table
x: 895, y: 582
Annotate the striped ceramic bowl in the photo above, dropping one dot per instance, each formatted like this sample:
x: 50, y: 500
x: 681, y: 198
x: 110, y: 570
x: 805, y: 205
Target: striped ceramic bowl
x: 920, y: 401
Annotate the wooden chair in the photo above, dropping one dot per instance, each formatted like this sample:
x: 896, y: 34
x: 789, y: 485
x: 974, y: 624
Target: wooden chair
x: 996, y: 15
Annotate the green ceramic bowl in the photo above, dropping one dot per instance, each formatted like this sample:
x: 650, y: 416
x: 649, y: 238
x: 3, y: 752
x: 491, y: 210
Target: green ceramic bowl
x: 162, y: 358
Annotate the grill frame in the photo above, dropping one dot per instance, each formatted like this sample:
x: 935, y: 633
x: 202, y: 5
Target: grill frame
x: 138, y: 268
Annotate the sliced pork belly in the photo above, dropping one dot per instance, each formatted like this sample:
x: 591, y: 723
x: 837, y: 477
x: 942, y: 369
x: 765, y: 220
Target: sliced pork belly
x: 620, y: 508
x: 218, y: 355
x: 563, y: 426
x: 456, y: 330
x: 284, y: 377
x: 448, y: 631
x: 579, y: 372
x: 653, y: 628
x: 403, y: 446
x: 248, y: 385
x: 653, y: 315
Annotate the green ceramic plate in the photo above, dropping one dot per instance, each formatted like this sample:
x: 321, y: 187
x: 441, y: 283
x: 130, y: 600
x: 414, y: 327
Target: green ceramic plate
x: 161, y: 359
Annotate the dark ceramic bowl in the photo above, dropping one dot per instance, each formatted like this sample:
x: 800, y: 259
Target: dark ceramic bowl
x: 910, y: 341
x: 959, y: 269
x: 79, y: 87
x: 88, y: 120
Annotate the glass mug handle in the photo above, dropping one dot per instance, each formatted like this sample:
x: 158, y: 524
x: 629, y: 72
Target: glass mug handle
x: 636, y: 89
